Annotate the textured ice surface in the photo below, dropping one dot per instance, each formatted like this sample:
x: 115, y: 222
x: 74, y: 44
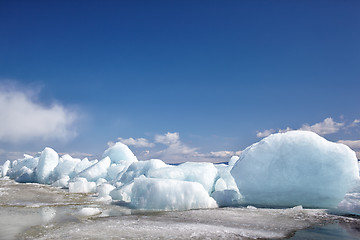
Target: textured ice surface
x: 104, y: 189
x: 225, y: 179
x: 81, y: 166
x: 223, y: 223
x: 120, y: 153
x: 296, y: 168
x: 282, y: 170
x: 62, y: 182
x: 114, y: 170
x: 22, y: 170
x: 227, y: 198
x: 351, y: 202
x: 136, y: 169
x: 226, y: 192
x: 96, y: 171
x: 233, y: 160
x: 28, y: 161
x: 24, y: 175
x: 48, y: 161
x: 123, y: 193
x: 5, y: 168
x: 66, y: 166
x: 169, y: 194
x: 203, y: 173
x: 34, y: 211
x: 81, y: 185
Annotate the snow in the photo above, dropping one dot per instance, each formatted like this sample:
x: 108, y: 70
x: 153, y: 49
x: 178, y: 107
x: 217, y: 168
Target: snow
x: 169, y: 194
x: 48, y: 161
x: 296, y: 168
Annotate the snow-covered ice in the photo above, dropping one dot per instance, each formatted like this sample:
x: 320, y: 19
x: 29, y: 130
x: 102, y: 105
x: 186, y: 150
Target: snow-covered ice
x: 296, y: 168
x: 201, y: 172
x: 169, y: 194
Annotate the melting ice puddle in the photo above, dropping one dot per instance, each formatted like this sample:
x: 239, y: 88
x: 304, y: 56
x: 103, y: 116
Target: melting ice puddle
x: 334, y: 231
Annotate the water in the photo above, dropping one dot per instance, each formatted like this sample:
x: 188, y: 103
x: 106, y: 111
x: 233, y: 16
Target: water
x: 34, y: 211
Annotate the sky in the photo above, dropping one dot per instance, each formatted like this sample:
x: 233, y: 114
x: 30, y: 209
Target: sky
x: 175, y: 80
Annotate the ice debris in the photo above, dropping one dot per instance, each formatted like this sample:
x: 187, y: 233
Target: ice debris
x: 282, y: 170
x: 49, y: 159
x: 88, y: 211
x: 157, y: 194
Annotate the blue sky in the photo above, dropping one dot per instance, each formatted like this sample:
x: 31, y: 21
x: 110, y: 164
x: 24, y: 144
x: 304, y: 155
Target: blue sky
x: 191, y: 79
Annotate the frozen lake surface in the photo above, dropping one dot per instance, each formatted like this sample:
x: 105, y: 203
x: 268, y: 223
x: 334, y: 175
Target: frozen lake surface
x: 34, y: 211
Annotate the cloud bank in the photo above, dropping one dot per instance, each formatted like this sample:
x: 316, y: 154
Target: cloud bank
x: 23, y: 119
x: 171, y: 149
x: 136, y: 142
x: 328, y: 126
x: 353, y: 144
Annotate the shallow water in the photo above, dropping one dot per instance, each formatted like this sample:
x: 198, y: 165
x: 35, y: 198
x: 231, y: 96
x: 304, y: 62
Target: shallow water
x: 33, y: 211
x: 335, y: 231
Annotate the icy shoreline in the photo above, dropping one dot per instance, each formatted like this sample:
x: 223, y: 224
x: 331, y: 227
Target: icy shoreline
x: 35, y: 211
x: 117, y: 197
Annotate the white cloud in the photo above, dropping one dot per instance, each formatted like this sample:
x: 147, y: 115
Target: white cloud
x: 168, y: 138
x: 265, y: 133
x: 328, y: 126
x: 355, y: 123
x: 353, y: 144
x: 224, y: 154
x: 24, y: 119
x: 136, y: 142
x: 325, y: 127
x: 174, y: 151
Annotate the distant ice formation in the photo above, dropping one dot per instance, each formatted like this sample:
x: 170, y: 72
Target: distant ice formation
x: 290, y: 169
